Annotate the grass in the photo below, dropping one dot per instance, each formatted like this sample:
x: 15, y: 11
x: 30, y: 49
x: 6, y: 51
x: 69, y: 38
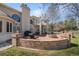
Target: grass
x: 15, y: 51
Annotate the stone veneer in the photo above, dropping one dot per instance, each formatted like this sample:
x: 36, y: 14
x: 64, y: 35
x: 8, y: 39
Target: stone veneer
x: 56, y: 44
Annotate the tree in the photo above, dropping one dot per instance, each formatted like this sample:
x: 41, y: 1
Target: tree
x: 59, y: 26
x: 50, y: 29
x: 53, y: 12
x: 73, y: 9
x: 43, y: 16
x: 70, y: 24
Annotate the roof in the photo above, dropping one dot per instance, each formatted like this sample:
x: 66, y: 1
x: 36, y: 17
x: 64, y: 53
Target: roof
x: 34, y: 17
x: 12, y: 9
x: 2, y: 13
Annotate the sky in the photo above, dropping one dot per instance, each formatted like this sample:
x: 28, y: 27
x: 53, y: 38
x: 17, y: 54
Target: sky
x: 35, y: 10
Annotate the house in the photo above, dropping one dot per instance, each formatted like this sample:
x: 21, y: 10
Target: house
x: 12, y: 20
x: 35, y: 25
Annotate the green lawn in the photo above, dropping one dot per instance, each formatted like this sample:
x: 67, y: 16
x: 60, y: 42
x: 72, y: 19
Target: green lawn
x: 15, y: 51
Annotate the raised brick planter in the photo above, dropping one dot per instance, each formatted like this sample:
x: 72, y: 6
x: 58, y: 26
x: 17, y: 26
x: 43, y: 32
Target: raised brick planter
x: 45, y: 44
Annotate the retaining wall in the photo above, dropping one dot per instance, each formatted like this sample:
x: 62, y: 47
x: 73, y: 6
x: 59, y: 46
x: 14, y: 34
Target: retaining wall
x: 58, y: 44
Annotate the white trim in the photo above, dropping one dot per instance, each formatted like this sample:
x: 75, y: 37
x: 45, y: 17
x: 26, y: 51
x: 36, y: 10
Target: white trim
x: 7, y: 18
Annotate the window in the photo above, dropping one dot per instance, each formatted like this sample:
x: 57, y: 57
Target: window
x: 10, y: 27
x: 16, y: 17
x: 31, y: 21
x: 7, y: 26
x: 0, y: 26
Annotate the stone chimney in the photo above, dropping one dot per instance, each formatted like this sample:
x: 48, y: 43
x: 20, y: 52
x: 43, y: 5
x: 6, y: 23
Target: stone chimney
x: 25, y: 19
